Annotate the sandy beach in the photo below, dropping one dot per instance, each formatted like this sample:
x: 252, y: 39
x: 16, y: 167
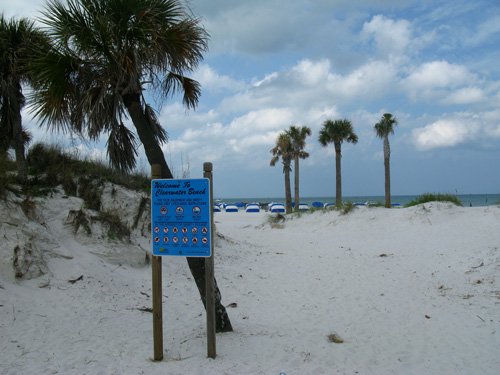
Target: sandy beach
x: 402, y: 291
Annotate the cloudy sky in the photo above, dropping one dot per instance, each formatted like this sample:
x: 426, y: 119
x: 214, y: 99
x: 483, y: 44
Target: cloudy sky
x: 274, y: 63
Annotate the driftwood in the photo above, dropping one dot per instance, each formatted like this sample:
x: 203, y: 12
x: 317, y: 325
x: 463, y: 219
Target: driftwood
x: 75, y: 280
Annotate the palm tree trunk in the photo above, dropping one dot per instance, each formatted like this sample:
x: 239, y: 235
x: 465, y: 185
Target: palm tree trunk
x: 155, y: 155
x: 338, y: 176
x: 288, y: 192
x: 387, y: 167
x: 17, y: 138
x: 152, y: 149
x: 296, y: 183
x: 18, y: 144
x: 197, y: 268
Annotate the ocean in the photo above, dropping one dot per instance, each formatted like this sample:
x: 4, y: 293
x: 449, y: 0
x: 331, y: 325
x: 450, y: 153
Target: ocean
x: 468, y: 200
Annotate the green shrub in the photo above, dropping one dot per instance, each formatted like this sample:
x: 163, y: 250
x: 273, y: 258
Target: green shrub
x: 347, y: 207
x: 79, y: 219
x: 429, y: 197
x: 47, y: 160
x: 28, y: 206
x: 90, y: 191
x: 140, y: 210
x: 52, y: 166
x: 4, y: 177
x: 69, y: 185
x: 276, y: 221
x: 116, y: 228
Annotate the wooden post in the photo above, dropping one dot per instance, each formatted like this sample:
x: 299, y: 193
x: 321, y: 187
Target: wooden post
x: 157, y: 291
x: 209, y: 273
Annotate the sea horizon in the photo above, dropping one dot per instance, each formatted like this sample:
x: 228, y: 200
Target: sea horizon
x: 468, y: 200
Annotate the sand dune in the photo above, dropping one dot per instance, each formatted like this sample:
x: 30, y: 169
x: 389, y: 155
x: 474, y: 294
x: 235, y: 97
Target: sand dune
x: 408, y: 291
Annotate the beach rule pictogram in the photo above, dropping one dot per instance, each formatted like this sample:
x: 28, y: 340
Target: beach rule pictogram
x: 182, y: 209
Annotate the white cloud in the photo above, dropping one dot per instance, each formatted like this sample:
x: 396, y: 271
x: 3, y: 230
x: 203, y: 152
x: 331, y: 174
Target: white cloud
x: 392, y: 37
x: 313, y: 84
x: 22, y: 8
x: 310, y: 72
x: 485, y: 31
x: 212, y: 81
x: 442, y: 133
x: 430, y: 79
x: 368, y: 81
x: 466, y: 95
x: 439, y: 74
x: 267, y: 79
x: 174, y: 117
x: 459, y: 129
x: 269, y: 119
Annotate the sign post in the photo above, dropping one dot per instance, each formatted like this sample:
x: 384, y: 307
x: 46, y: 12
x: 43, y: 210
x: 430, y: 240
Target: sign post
x: 182, y: 225
x: 157, y: 292
x: 209, y: 276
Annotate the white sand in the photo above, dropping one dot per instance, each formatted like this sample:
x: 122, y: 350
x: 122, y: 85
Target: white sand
x: 410, y: 291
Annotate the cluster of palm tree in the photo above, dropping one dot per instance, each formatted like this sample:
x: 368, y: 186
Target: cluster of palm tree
x: 88, y: 68
x: 290, y: 146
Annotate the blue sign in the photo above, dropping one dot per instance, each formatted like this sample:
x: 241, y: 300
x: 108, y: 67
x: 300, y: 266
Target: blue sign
x: 180, y: 217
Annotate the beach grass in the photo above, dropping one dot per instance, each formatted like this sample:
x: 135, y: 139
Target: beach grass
x: 347, y: 208
x: 276, y: 221
x: 7, y: 175
x: 439, y: 197
x: 51, y: 166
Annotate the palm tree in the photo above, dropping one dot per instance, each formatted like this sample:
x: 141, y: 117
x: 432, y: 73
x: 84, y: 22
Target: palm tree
x: 337, y: 132
x: 106, y: 54
x: 298, y: 135
x: 283, y: 150
x: 19, y: 41
x: 383, y: 128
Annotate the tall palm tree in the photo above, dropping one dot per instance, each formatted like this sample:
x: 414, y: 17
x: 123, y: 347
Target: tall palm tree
x: 337, y: 132
x: 106, y: 54
x: 383, y: 128
x: 19, y: 41
x: 298, y: 135
x: 283, y: 150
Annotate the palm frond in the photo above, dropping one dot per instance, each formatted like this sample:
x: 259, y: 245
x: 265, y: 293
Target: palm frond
x: 191, y: 88
x: 121, y: 148
x: 385, y: 126
x: 160, y: 134
x: 337, y: 132
x: 283, y: 150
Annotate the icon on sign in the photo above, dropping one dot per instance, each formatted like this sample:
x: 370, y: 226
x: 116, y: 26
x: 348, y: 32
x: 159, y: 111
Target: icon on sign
x: 163, y: 210
x: 157, y: 239
x: 184, y: 230
x: 195, y: 240
x: 194, y: 230
x: 196, y: 210
x: 185, y: 240
x: 175, y: 239
x: 165, y: 229
x: 165, y: 239
x: 175, y: 230
x: 204, y: 240
x: 179, y: 210
x: 157, y: 229
x: 204, y: 230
